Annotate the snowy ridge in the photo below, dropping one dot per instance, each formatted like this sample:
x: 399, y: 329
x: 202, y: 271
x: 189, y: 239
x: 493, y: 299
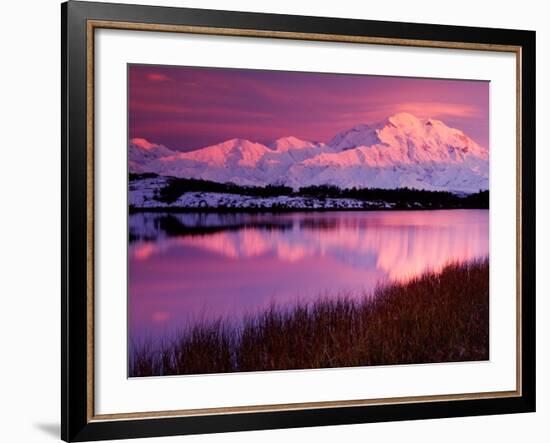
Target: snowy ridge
x: 143, y: 195
x: 141, y: 153
x: 401, y: 151
x: 289, y: 143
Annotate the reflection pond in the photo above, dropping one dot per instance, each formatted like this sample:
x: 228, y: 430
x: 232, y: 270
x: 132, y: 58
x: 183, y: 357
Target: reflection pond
x: 185, y: 268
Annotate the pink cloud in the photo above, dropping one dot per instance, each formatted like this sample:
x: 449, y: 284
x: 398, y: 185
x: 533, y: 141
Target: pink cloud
x: 436, y: 109
x: 155, y: 77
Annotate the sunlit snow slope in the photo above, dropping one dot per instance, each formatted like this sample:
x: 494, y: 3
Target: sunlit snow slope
x: 401, y: 151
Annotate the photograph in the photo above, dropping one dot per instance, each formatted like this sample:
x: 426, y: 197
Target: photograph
x: 295, y: 218
x: 284, y: 220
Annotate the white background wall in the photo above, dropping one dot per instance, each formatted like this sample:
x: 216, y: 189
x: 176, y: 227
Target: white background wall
x: 30, y: 202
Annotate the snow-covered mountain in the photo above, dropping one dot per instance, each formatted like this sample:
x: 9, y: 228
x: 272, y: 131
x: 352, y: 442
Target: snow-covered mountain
x: 401, y: 151
x: 141, y: 153
x: 290, y: 143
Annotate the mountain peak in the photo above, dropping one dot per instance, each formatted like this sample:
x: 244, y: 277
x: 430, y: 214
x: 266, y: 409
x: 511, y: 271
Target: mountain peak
x: 359, y: 135
x: 234, y: 142
x: 143, y: 143
x: 228, y: 146
x: 141, y: 152
x: 291, y: 142
x: 404, y: 119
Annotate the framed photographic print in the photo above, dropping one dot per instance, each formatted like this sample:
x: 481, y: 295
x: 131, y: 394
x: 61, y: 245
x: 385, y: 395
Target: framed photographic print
x: 277, y: 221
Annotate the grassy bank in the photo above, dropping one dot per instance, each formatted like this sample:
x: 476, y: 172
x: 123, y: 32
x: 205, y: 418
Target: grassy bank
x: 437, y: 317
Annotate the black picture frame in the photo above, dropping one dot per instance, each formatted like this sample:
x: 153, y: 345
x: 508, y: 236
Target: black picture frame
x: 76, y: 423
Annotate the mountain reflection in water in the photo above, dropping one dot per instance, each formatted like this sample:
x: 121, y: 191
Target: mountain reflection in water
x: 189, y: 267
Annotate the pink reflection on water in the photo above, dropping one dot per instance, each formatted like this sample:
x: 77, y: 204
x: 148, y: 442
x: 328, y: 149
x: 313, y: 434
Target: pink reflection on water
x: 233, y: 272
x: 144, y: 250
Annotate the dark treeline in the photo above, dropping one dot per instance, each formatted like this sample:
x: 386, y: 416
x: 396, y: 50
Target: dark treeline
x: 401, y: 197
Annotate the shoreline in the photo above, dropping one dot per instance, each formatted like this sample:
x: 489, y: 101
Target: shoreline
x: 168, y: 209
x: 168, y: 193
x: 137, y: 210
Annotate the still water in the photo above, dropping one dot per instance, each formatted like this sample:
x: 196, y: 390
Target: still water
x: 190, y: 267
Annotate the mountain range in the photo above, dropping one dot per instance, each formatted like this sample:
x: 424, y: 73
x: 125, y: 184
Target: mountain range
x: 400, y: 151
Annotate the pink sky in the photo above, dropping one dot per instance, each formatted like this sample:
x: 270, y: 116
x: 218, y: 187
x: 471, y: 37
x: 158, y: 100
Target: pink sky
x: 187, y: 108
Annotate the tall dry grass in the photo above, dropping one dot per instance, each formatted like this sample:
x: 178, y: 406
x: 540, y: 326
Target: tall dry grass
x: 436, y: 317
